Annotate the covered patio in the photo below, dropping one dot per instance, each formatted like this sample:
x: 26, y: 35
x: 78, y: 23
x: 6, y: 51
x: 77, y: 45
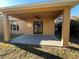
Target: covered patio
x: 47, y: 10
x: 37, y: 40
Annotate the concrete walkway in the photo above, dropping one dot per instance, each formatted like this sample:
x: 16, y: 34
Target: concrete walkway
x: 37, y: 40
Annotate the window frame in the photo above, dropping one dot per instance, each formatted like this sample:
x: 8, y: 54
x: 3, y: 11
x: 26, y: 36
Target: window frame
x: 14, y: 27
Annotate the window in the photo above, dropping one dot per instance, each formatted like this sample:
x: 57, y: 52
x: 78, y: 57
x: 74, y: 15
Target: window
x: 14, y: 27
x: 38, y: 27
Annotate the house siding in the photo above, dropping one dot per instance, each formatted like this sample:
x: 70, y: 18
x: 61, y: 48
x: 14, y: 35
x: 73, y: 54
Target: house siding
x: 1, y: 27
x: 26, y: 26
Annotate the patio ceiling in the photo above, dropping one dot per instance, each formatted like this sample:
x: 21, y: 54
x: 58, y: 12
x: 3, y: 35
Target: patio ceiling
x: 53, y: 9
x: 24, y: 16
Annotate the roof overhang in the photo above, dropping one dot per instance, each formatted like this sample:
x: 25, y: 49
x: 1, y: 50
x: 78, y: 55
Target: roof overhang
x: 39, y: 7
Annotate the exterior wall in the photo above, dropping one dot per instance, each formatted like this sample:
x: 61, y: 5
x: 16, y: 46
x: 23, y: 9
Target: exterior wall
x: 26, y: 27
x: 48, y: 26
x: 1, y: 27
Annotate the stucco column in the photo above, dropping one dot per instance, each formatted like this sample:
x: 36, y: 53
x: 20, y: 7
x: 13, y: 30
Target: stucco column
x: 53, y: 26
x: 66, y: 27
x: 6, y: 28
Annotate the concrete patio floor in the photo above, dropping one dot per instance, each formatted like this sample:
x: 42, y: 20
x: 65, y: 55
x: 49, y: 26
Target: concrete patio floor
x: 37, y: 40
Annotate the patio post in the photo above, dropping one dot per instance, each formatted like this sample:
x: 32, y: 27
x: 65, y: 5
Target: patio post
x: 53, y: 26
x: 6, y: 28
x: 66, y: 27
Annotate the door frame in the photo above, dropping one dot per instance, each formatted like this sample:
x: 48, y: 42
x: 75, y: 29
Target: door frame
x: 34, y: 27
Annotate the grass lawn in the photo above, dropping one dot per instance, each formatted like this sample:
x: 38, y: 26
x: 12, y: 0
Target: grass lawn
x: 19, y: 51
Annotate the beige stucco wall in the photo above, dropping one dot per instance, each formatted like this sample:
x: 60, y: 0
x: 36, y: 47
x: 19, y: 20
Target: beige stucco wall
x: 48, y: 26
x: 26, y: 26
x: 1, y: 27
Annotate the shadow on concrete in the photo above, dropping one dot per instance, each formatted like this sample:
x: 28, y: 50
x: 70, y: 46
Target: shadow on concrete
x: 34, y: 39
x: 12, y: 36
x: 1, y: 38
x: 35, y: 51
x: 73, y: 48
x: 74, y: 39
x: 15, y: 35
